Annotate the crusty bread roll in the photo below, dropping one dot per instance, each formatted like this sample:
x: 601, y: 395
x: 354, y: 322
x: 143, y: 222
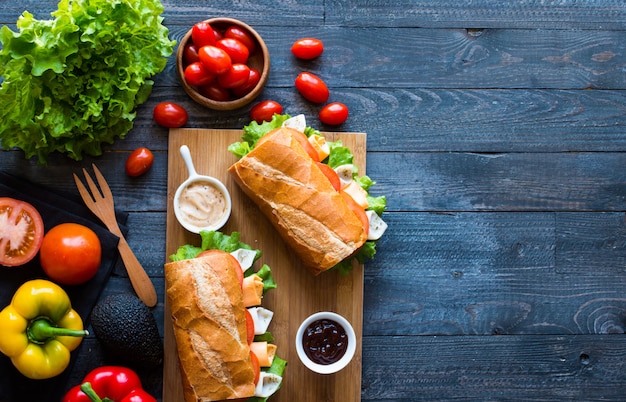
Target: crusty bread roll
x: 208, y: 316
x: 299, y: 200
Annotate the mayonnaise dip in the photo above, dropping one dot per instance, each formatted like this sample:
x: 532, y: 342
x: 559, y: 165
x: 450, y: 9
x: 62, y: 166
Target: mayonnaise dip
x: 202, y: 204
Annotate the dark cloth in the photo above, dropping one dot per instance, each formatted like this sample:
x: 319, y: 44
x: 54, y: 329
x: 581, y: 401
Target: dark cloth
x: 55, y: 208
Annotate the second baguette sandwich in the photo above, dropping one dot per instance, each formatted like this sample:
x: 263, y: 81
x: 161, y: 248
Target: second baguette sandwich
x: 298, y: 199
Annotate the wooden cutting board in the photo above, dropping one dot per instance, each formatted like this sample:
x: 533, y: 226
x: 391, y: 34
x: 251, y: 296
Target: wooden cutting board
x: 299, y: 293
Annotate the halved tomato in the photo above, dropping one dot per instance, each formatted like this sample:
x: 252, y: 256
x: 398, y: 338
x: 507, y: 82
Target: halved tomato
x: 21, y: 232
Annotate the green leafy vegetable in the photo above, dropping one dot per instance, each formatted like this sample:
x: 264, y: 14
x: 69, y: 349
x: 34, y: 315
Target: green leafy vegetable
x: 72, y: 83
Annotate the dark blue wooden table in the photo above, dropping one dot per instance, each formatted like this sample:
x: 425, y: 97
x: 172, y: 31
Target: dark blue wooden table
x: 496, y: 129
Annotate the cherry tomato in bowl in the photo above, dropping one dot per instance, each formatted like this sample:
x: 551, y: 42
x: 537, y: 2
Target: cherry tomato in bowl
x: 334, y: 113
x: 139, y: 162
x: 307, y: 48
x: 170, y: 114
x: 264, y: 111
x: 70, y: 253
x: 312, y: 87
x: 21, y: 232
x: 203, y: 34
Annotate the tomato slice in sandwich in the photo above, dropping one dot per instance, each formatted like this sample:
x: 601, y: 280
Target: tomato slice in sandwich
x: 256, y: 366
x: 249, y: 327
x: 238, y: 269
x: 298, y: 136
x: 331, y: 174
x: 21, y: 232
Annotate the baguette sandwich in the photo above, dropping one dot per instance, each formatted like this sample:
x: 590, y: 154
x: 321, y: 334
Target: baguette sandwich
x: 224, y: 349
x: 310, y: 191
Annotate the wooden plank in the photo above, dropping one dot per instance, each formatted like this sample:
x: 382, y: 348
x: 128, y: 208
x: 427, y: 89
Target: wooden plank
x: 299, y: 294
x: 479, y: 368
x: 536, y: 14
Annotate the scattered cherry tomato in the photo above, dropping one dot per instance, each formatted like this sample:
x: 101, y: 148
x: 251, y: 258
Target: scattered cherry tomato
x: 307, y: 48
x: 253, y: 79
x: 196, y: 74
x: 263, y: 111
x: 21, y: 233
x: 334, y: 113
x: 202, y: 34
x: 190, y: 54
x: 236, y: 75
x: 312, y: 87
x: 216, y: 60
x: 70, y: 253
x: 330, y: 173
x: 170, y: 114
x: 237, y: 51
x: 214, y: 91
x: 139, y: 162
x: 241, y: 35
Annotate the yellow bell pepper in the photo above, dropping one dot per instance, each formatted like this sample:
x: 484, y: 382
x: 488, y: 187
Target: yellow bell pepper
x: 40, y: 329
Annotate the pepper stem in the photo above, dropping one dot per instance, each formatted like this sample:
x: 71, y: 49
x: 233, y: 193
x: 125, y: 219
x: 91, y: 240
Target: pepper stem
x: 40, y: 330
x: 88, y: 390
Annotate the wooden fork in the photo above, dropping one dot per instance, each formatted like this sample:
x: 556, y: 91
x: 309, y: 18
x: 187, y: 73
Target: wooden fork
x: 102, y: 205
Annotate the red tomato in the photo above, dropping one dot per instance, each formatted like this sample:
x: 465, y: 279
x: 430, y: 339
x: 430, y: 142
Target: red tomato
x: 334, y: 113
x: 216, y: 60
x: 307, y: 48
x: 218, y: 34
x: 214, y: 91
x: 237, y: 51
x: 21, y: 233
x: 196, y: 74
x: 263, y: 111
x: 253, y: 80
x: 170, y: 114
x: 70, y: 253
x: 312, y: 87
x: 256, y: 366
x: 303, y: 140
x: 358, y: 211
x: 331, y: 174
x: 235, y: 76
x: 241, y: 35
x: 202, y: 34
x: 139, y: 162
x: 190, y: 54
x: 249, y: 327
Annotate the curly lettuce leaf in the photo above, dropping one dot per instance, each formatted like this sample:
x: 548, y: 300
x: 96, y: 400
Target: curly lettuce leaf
x: 73, y: 82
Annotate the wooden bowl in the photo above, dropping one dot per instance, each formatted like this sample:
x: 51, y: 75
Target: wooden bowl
x: 259, y: 59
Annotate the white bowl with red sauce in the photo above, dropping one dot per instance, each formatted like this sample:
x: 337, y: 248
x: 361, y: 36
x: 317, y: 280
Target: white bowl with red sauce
x: 325, y: 342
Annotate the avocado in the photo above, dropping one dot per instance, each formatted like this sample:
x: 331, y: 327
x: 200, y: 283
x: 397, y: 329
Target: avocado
x: 127, y: 330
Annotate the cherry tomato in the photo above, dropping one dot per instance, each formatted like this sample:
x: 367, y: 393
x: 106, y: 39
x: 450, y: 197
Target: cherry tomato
x: 170, y: 114
x: 202, y: 34
x: 256, y: 366
x: 263, y: 111
x: 307, y: 48
x: 196, y: 74
x: 329, y: 172
x: 237, y: 51
x: 249, y: 327
x: 216, y: 60
x: 358, y: 211
x: 214, y: 91
x: 21, y: 232
x: 139, y: 162
x: 253, y: 80
x: 218, y: 34
x: 70, y: 253
x: 190, y: 54
x: 312, y: 87
x: 235, y: 76
x: 241, y: 35
x: 334, y: 113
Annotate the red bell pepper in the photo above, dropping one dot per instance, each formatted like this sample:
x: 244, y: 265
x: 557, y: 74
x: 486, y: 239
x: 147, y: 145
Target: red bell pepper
x: 109, y: 383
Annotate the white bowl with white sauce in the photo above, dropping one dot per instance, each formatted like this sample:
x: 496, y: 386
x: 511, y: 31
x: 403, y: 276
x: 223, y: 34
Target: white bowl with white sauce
x: 201, y: 202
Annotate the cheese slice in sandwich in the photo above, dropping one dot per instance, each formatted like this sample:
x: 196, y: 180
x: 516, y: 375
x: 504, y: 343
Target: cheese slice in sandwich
x: 208, y: 316
x: 298, y: 199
